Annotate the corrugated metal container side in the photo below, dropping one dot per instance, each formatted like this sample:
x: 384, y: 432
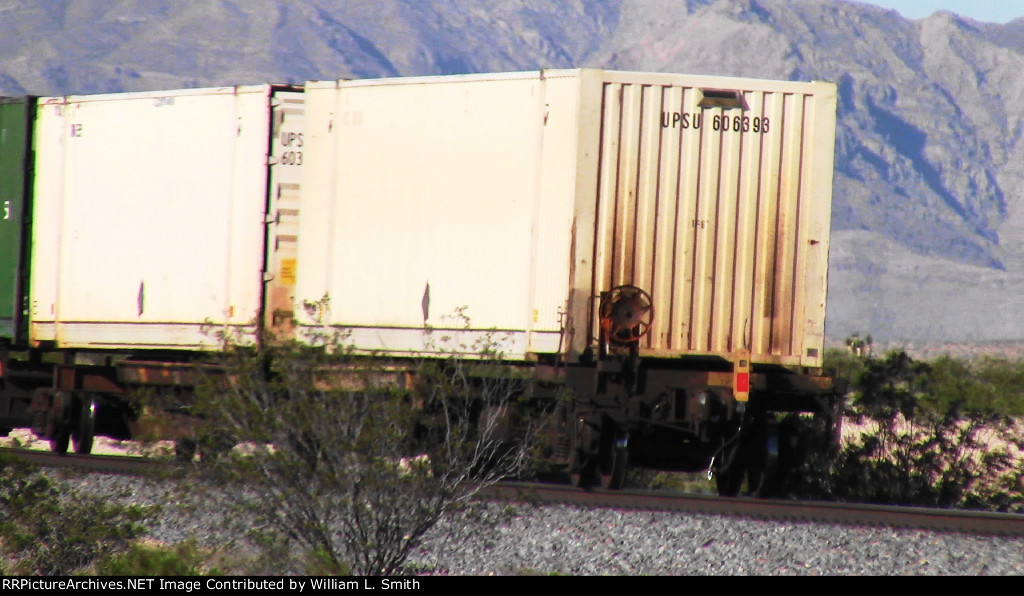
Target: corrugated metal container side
x: 524, y: 196
x: 15, y: 183
x: 149, y: 216
x: 714, y: 195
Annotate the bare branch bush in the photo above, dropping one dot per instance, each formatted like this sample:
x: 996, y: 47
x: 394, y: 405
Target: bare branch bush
x: 355, y: 458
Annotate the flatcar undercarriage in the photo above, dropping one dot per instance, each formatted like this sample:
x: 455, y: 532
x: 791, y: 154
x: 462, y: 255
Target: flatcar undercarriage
x: 680, y: 416
x: 70, y: 397
x: 745, y: 425
x: 735, y: 421
x: 617, y: 412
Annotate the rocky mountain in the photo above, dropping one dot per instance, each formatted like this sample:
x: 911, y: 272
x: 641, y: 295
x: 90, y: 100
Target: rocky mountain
x: 928, y: 220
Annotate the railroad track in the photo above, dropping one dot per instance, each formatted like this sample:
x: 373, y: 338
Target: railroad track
x: 972, y: 522
x: 111, y: 464
x: 944, y: 520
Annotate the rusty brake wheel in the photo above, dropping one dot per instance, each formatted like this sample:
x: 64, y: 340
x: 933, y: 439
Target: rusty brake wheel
x: 626, y: 313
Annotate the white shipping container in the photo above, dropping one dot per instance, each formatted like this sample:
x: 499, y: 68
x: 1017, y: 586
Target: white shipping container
x: 522, y: 197
x: 149, y: 214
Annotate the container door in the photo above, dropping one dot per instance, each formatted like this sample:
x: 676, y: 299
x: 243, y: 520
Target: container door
x: 286, y: 159
x: 708, y: 199
x: 15, y: 158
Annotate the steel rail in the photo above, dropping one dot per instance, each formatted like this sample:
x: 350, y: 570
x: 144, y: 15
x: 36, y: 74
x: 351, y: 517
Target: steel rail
x: 114, y: 464
x: 949, y: 520
x: 851, y: 514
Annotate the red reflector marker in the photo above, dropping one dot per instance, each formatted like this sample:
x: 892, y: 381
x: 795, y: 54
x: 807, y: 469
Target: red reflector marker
x: 742, y: 382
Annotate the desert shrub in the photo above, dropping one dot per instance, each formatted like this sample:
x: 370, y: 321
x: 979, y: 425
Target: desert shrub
x: 353, y: 459
x: 843, y: 364
x: 932, y: 434
x: 49, y: 528
x: 153, y: 560
x: 988, y: 385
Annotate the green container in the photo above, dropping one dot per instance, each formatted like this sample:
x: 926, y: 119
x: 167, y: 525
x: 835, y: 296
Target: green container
x: 16, y: 116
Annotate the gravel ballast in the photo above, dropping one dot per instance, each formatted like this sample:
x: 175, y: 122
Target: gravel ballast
x: 558, y: 539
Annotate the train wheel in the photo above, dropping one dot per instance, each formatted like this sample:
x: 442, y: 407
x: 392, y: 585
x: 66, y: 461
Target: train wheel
x: 59, y: 425
x: 730, y: 470
x: 763, y: 472
x: 581, y: 468
x: 615, y: 460
x: 729, y: 482
x: 584, y: 452
x: 85, y: 429
x: 59, y: 442
x: 185, y: 450
x: 576, y: 471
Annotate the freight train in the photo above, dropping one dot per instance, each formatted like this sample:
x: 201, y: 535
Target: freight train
x: 654, y: 245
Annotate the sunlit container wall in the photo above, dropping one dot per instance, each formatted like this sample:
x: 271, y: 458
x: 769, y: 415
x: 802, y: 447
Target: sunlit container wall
x: 428, y: 199
x: 522, y: 197
x: 149, y: 217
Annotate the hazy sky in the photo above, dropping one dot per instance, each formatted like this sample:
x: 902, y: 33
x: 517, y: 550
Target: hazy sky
x: 991, y: 11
